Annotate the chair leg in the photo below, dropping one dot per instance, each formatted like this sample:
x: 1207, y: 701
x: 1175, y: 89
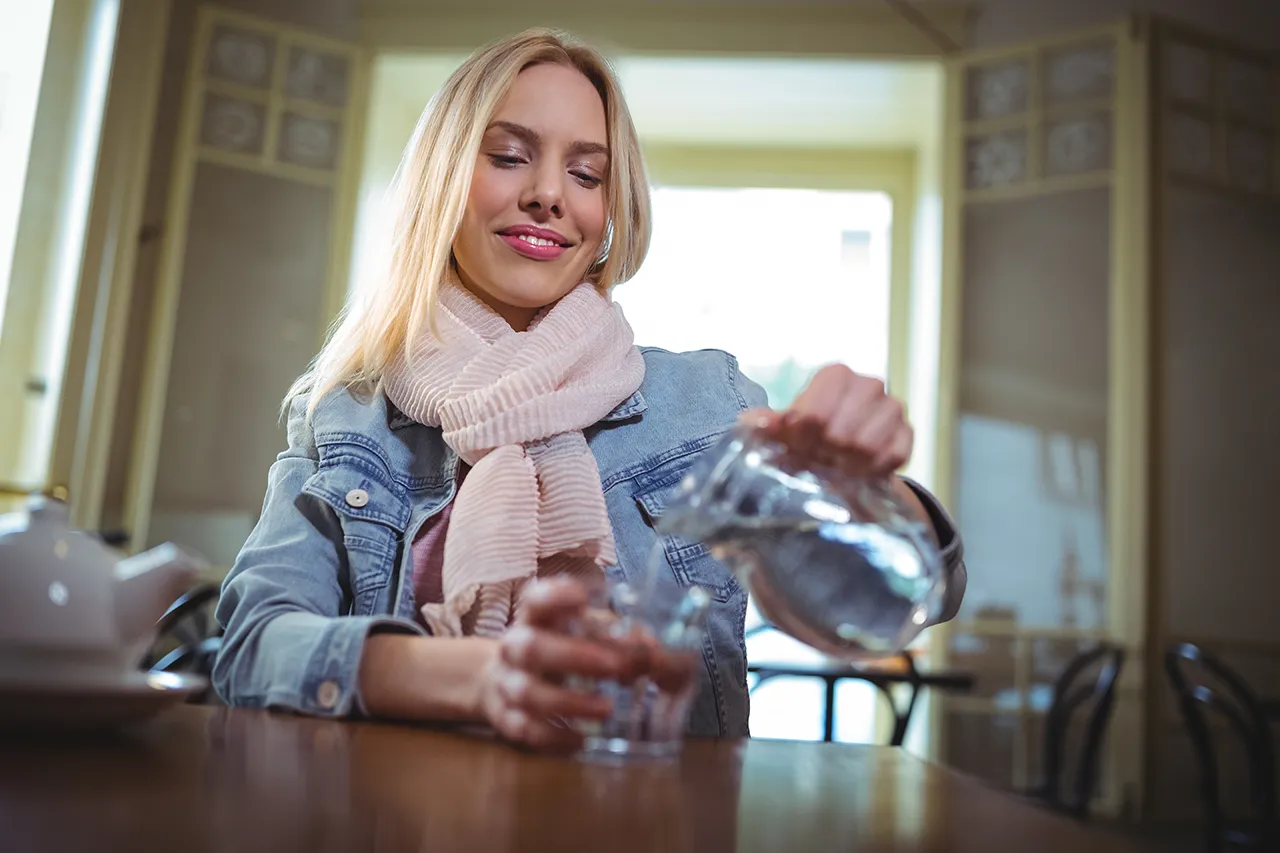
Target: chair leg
x: 829, y: 721
x: 902, y: 719
x: 1213, y: 832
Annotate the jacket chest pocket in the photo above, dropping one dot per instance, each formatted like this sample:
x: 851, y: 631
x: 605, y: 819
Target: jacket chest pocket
x: 374, y: 515
x: 691, y: 561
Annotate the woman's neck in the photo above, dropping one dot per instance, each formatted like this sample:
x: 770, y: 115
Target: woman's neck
x: 517, y: 318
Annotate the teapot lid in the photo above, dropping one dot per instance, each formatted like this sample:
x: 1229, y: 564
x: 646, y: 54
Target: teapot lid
x: 47, y: 507
x: 41, y: 511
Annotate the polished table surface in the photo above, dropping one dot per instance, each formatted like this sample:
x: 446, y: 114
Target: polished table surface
x: 212, y: 779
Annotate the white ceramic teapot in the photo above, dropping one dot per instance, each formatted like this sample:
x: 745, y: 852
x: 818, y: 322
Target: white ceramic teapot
x: 70, y: 607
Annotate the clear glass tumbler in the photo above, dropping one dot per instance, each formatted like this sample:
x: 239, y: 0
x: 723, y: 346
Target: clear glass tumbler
x: 659, y: 629
x: 842, y: 564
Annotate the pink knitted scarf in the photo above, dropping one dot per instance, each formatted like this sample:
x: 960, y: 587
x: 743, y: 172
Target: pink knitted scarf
x: 513, y: 406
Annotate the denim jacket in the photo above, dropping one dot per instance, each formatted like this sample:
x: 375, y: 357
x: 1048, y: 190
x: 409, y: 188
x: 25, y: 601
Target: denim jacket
x: 328, y: 562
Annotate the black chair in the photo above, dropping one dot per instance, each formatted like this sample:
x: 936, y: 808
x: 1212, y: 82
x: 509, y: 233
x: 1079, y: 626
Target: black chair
x: 1201, y: 682
x: 187, y: 639
x: 884, y: 679
x: 1078, y: 683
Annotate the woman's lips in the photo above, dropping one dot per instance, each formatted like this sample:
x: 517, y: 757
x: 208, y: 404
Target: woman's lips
x: 539, y: 251
x: 541, y: 244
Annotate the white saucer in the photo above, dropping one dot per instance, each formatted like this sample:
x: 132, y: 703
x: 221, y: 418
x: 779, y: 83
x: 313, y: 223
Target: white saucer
x: 101, y: 702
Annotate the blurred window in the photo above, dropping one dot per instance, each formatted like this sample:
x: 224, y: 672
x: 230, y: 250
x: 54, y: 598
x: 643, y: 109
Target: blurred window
x: 787, y: 280
x: 55, y: 68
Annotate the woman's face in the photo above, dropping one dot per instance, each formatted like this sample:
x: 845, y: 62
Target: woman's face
x: 535, y: 216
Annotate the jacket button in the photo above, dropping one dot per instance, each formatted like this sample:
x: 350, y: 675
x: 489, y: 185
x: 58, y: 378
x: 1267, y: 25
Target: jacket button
x: 357, y: 498
x: 328, y: 694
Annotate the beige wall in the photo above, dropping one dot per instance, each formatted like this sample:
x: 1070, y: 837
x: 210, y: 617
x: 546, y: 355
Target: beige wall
x: 1219, y: 422
x: 1221, y: 417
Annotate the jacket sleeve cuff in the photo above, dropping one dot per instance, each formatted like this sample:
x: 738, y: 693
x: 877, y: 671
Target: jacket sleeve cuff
x: 330, y: 682
x: 952, y: 550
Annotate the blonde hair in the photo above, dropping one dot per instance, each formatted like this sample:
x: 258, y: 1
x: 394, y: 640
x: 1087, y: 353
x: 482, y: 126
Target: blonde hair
x: 381, y: 321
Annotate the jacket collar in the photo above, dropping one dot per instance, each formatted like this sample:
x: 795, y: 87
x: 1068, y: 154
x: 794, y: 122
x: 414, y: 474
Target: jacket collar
x: 628, y: 408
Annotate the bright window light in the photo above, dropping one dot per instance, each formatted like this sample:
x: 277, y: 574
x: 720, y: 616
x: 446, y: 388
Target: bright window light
x: 787, y: 280
x: 23, y: 40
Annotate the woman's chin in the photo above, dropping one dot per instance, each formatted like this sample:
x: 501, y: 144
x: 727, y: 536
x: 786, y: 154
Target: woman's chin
x: 534, y: 295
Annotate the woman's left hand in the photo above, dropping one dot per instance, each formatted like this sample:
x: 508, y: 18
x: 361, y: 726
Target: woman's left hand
x: 843, y: 419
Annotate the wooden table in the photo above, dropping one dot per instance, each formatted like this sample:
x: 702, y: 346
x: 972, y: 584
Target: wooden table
x: 205, y: 779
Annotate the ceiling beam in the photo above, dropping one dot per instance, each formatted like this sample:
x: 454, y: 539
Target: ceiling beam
x: 796, y: 28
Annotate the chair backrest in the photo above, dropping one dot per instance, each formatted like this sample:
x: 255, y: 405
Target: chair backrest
x: 187, y: 639
x: 1077, y: 685
x: 1202, y: 682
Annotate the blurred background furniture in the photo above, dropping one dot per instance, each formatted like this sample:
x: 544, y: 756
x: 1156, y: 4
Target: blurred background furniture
x: 1204, y: 683
x: 1085, y: 692
x: 884, y: 675
x: 188, y: 638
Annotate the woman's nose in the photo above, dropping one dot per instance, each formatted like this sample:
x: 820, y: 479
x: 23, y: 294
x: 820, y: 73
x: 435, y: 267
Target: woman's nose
x: 545, y: 194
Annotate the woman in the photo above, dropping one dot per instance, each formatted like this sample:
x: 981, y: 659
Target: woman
x: 480, y: 418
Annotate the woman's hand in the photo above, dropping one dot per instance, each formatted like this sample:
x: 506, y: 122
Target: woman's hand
x: 847, y: 421
x: 523, y: 693
x: 515, y: 683
x: 843, y: 419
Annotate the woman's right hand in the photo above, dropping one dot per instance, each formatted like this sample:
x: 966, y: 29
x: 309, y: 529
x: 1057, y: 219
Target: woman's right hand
x: 523, y: 692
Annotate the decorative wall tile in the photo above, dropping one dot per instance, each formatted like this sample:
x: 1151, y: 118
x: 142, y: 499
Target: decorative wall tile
x: 998, y: 90
x: 1250, y: 158
x: 996, y: 159
x: 1250, y: 89
x: 1078, y: 144
x: 232, y: 124
x: 1079, y: 73
x: 241, y: 56
x: 316, y: 76
x: 1188, y: 72
x: 1190, y: 145
x: 307, y: 141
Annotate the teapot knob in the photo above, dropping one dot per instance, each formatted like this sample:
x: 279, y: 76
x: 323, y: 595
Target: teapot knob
x: 48, y: 508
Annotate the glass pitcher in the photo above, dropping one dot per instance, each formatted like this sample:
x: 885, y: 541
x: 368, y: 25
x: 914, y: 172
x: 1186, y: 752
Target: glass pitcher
x: 842, y: 564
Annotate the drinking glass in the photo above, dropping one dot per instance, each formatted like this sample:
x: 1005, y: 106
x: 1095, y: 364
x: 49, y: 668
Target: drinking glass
x: 658, y: 628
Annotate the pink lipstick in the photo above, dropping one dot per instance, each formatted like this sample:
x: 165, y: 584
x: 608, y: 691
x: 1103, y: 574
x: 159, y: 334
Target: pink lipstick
x: 540, y: 244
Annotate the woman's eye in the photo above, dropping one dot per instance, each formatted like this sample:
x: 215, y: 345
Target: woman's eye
x: 505, y: 161
x: 587, y: 180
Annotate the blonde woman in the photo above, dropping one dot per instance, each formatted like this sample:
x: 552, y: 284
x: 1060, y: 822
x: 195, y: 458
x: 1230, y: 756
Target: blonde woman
x: 480, y: 434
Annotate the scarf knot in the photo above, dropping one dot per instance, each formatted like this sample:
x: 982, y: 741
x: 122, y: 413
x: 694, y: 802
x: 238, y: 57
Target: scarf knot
x: 513, y: 406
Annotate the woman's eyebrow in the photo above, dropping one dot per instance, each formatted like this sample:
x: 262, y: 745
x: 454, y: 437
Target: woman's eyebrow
x: 527, y: 134
x: 578, y: 148
x: 533, y: 138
